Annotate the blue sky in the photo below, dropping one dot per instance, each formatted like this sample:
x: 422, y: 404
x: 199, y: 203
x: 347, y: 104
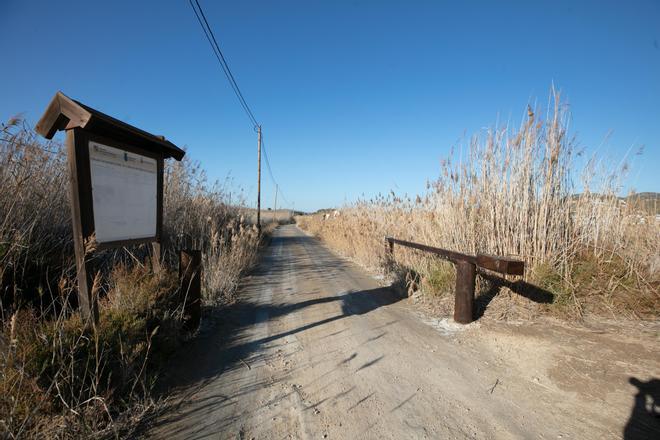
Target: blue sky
x: 355, y: 97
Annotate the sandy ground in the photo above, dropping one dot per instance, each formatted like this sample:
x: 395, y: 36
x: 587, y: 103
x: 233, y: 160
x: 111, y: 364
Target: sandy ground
x: 316, y: 348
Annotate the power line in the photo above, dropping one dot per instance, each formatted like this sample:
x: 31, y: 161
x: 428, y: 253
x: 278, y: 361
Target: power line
x: 270, y: 171
x: 221, y: 59
x: 210, y: 36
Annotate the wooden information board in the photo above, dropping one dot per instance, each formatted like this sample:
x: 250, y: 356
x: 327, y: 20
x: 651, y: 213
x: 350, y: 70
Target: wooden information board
x: 116, y: 184
x: 124, y: 194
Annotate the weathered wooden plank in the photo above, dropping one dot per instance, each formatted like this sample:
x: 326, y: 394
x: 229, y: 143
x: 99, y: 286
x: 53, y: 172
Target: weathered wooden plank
x: 190, y: 276
x: 444, y: 253
x: 503, y: 265
x: 80, y: 215
x: 64, y: 113
x: 464, y: 295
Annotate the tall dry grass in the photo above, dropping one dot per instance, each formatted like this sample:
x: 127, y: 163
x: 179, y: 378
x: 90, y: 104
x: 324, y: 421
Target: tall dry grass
x: 59, y: 379
x: 511, y: 192
x: 198, y: 216
x: 35, y: 227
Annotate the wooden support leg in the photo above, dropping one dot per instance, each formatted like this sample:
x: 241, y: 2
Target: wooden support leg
x: 80, y: 202
x: 464, y: 300
x: 156, y: 257
x: 190, y: 274
x: 389, y: 249
x: 87, y: 302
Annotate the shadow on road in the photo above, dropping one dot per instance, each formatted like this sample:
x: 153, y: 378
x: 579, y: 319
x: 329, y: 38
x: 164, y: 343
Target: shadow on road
x: 352, y: 303
x: 236, y: 318
x: 644, y: 421
x: 520, y: 287
x: 230, y: 342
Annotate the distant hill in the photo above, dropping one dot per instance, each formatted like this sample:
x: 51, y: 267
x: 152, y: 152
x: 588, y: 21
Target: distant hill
x: 648, y: 201
x: 645, y: 201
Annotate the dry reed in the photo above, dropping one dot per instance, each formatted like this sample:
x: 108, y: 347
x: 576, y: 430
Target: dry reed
x: 512, y: 192
x: 59, y: 379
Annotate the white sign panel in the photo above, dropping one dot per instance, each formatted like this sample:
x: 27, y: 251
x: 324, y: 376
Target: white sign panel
x: 124, y: 192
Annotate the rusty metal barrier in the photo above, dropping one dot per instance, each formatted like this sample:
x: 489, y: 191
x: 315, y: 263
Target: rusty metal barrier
x: 466, y: 272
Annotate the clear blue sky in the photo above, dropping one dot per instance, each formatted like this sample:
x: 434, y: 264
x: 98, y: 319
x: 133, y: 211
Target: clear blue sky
x: 354, y: 96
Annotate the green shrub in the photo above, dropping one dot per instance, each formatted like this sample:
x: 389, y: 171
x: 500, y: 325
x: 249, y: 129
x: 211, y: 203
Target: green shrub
x: 441, y: 278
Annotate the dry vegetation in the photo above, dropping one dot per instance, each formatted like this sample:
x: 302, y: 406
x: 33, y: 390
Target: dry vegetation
x: 511, y: 192
x: 57, y: 378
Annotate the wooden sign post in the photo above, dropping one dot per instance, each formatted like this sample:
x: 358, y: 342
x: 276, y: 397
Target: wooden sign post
x: 116, y: 185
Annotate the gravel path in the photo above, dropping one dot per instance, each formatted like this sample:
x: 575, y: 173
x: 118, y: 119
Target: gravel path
x: 316, y: 348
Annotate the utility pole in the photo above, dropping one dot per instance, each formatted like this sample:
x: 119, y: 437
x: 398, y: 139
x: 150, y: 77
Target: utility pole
x: 259, y: 178
x: 275, y: 208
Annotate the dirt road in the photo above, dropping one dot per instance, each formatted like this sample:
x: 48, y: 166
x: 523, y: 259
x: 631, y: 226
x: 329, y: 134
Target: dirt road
x: 316, y: 348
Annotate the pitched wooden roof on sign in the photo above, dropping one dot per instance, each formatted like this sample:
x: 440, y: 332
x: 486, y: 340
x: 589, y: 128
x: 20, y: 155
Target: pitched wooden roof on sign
x: 64, y: 113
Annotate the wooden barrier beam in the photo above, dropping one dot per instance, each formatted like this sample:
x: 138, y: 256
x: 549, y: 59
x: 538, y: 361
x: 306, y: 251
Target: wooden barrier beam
x: 443, y: 253
x: 503, y: 265
x: 466, y: 271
